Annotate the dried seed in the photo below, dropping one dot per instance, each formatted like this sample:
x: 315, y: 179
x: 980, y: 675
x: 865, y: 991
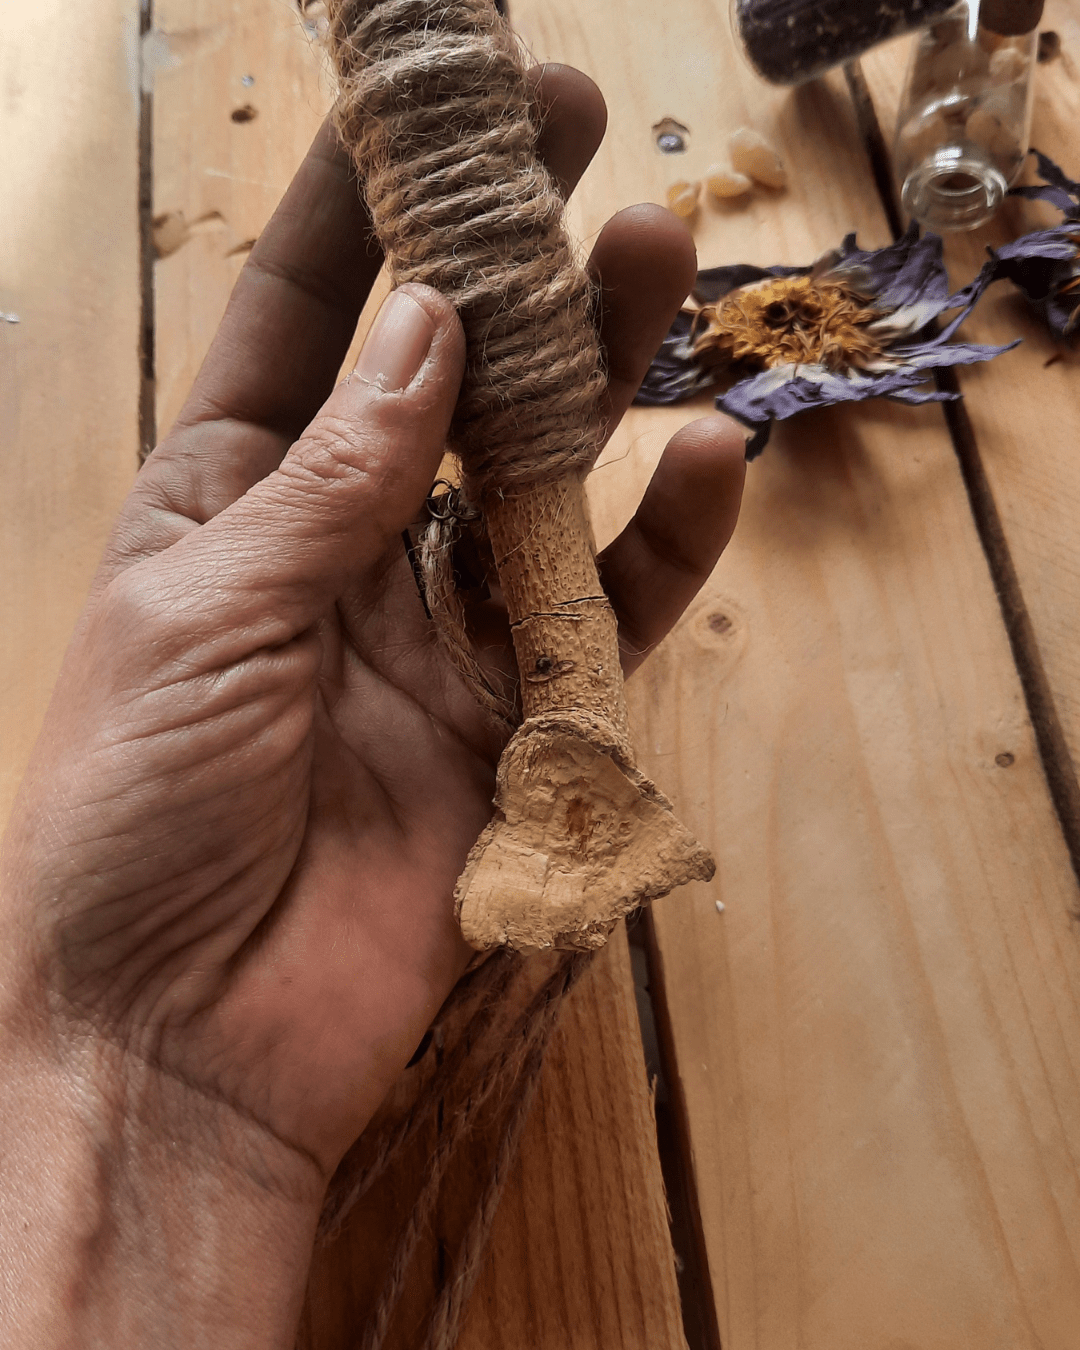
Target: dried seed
x: 993, y: 134
x: 752, y: 154
x: 723, y: 181
x: 682, y: 198
x: 1049, y: 45
x: 1007, y: 64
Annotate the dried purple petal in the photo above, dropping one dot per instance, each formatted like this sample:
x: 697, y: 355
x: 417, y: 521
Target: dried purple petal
x: 1045, y: 264
x: 901, y: 275
x: 1045, y: 268
x: 1056, y: 188
x: 784, y: 391
x: 713, y: 283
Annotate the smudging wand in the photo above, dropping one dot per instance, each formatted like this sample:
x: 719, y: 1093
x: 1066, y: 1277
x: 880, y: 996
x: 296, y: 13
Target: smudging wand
x: 436, y: 112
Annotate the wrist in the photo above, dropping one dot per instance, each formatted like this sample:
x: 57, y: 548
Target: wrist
x: 134, y: 1212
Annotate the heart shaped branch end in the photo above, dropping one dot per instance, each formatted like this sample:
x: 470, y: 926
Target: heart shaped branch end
x: 579, y: 839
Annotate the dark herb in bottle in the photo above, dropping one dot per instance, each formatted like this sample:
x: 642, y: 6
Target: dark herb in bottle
x: 789, y: 41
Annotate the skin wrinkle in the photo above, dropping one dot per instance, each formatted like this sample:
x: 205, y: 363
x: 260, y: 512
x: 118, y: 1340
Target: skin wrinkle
x: 242, y: 700
x: 402, y: 806
x: 209, y: 863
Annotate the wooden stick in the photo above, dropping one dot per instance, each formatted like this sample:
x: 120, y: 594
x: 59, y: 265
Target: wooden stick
x: 580, y: 837
x: 437, y: 112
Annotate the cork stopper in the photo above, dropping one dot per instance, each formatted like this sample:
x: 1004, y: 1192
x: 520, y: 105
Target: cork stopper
x: 1010, y: 18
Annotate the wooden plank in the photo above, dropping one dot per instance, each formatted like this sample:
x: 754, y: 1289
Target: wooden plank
x: 69, y: 332
x: 584, y: 1213
x: 240, y: 90
x: 581, y: 1253
x: 1026, y: 413
x: 877, y: 1039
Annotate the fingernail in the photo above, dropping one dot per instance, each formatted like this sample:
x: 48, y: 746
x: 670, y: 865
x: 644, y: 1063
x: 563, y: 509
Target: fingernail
x: 399, y: 340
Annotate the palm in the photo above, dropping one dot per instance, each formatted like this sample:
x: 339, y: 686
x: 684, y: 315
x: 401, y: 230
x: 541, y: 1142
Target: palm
x: 370, y: 814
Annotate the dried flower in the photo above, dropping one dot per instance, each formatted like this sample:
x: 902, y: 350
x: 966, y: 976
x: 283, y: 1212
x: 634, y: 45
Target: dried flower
x: 856, y: 325
x: 1045, y: 265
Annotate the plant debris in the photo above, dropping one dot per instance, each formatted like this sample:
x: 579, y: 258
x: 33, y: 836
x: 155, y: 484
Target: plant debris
x: 853, y: 326
x: 1049, y: 46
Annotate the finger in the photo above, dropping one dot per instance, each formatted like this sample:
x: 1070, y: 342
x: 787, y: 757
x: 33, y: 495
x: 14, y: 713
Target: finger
x: 295, y: 306
x: 645, y: 263
x: 266, y: 568
x: 293, y: 311
x: 653, y: 570
x: 573, y: 118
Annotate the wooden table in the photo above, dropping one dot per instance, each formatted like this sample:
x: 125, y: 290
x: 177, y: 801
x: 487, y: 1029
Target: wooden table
x: 871, y: 1053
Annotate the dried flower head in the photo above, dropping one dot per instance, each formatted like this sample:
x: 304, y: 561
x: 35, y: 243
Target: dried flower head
x: 787, y: 320
x: 855, y: 325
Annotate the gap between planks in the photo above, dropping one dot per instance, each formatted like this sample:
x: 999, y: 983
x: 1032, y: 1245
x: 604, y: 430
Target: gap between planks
x: 147, y: 317
x: 1057, y: 762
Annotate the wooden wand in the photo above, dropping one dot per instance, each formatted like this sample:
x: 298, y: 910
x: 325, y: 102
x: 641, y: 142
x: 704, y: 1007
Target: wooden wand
x: 435, y: 110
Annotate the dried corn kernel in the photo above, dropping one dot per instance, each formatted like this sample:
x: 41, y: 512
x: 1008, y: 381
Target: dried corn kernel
x: 724, y: 181
x: 1007, y: 64
x: 682, y: 198
x: 752, y: 155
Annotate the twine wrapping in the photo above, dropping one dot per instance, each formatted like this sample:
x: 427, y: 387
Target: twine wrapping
x: 435, y: 110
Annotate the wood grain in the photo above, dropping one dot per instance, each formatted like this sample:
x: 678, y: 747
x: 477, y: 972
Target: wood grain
x: 581, y: 1254
x: 69, y: 333
x: 877, y: 1038
x: 239, y: 91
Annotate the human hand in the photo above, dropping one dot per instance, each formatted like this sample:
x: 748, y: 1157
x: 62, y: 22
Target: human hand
x: 227, y: 888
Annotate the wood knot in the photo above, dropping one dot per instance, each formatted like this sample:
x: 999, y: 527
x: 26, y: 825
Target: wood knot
x: 547, y: 668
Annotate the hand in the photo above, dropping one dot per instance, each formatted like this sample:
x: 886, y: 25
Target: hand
x: 227, y: 894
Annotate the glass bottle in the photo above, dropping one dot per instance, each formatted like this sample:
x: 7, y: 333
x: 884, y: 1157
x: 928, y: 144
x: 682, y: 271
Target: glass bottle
x: 965, y: 115
x: 791, y: 41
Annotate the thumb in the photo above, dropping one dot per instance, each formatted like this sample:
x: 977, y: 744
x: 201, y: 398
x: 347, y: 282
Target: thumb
x: 345, y: 491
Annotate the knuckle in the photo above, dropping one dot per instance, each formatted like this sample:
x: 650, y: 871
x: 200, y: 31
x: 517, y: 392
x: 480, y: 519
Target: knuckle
x: 330, y: 450
x: 136, y: 604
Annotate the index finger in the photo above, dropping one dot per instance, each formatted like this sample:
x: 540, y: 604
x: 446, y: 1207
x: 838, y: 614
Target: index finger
x: 294, y: 308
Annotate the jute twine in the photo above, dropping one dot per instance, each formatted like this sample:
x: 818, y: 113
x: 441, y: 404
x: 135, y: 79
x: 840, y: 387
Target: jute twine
x: 436, y: 112
x: 496, y: 1062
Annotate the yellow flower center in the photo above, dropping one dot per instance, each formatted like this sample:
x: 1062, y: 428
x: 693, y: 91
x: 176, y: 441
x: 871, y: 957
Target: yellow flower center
x: 792, y: 320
